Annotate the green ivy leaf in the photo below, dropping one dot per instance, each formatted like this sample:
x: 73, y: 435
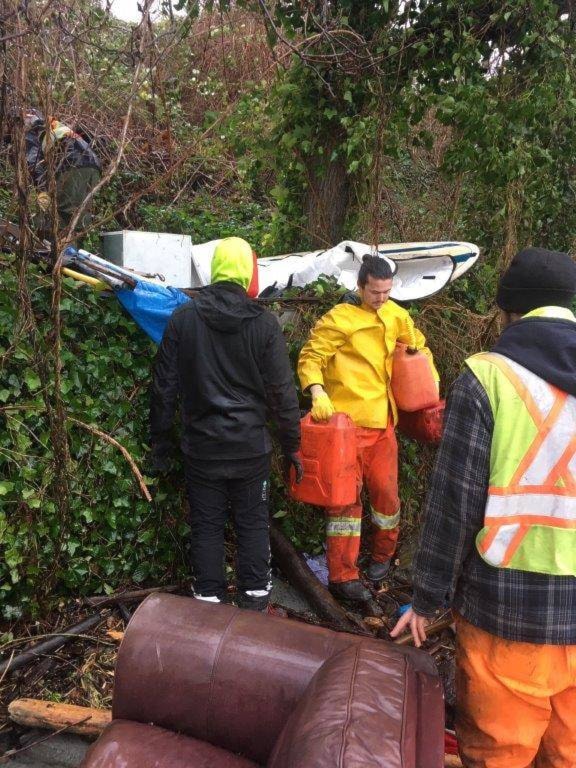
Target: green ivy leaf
x: 32, y: 380
x: 5, y: 487
x: 140, y: 573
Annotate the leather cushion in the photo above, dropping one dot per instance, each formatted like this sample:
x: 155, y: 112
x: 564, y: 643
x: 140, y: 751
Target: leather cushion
x: 125, y: 744
x: 353, y: 714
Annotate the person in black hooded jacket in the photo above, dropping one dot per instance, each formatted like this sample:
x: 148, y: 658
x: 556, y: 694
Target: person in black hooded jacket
x: 224, y: 359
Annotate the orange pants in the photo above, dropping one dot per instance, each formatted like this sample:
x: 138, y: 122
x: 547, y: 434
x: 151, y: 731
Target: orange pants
x: 377, y: 466
x: 516, y: 702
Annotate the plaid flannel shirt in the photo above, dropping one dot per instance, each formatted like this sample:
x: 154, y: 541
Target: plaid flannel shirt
x: 516, y: 605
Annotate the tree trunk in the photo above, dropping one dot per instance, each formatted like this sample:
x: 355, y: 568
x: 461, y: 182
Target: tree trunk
x: 327, y: 196
x: 299, y: 575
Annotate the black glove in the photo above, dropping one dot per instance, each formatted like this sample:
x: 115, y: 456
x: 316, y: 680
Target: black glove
x: 293, y: 460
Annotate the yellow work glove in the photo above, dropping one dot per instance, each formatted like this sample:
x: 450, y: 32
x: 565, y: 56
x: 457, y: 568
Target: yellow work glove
x: 43, y: 201
x: 322, y: 408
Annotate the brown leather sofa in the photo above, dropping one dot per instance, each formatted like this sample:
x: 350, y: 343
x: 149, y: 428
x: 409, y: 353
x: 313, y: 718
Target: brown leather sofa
x: 211, y: 686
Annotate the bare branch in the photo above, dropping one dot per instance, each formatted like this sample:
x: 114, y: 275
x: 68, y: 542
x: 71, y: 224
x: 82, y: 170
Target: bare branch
x: 109, y: 439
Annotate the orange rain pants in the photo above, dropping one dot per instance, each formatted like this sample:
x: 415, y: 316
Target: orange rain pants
x: 516, y: 702
x: 377, y: 466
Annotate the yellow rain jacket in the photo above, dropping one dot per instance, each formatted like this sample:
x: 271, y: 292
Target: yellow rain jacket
x: 350, y: 354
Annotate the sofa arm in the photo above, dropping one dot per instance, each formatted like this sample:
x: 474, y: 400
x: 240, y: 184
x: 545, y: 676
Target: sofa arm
x: 364, y: 707
x: 133, y: 745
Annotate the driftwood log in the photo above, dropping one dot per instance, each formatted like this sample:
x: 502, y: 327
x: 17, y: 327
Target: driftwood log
x: 85, y: 721
x: 52, y: 644
x: 53, y: 716
x: 296, y: 570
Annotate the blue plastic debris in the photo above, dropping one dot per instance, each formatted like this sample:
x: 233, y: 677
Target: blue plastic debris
x: 319, y: 567
x: 151, y: 306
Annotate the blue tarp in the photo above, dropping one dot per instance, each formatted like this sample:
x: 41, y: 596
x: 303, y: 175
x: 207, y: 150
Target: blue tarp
x: 151, y: 306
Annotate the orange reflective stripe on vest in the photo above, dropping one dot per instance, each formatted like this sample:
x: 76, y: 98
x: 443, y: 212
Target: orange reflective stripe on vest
x: 541, y: 465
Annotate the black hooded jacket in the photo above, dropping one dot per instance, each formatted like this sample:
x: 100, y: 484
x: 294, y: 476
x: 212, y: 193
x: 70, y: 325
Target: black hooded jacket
x: 544, y: 345
x: 224, y: 358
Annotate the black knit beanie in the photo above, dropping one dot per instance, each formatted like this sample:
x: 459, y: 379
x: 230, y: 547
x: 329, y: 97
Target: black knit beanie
x: 537, y: 278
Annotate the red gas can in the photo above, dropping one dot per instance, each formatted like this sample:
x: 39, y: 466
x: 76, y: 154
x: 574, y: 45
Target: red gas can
x: 328, y: 456
x: 425, y: 425
x: 413, y: 384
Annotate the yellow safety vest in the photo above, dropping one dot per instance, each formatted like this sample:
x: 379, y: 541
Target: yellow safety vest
x: 530, y: 517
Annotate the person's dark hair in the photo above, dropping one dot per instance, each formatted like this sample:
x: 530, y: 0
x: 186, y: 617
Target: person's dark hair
x: 373, y: 266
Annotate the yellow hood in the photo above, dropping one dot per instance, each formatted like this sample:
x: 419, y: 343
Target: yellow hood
x: 232, y: 262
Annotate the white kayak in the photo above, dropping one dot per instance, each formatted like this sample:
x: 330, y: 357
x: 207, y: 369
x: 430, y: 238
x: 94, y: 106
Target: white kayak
x: 419, y: 269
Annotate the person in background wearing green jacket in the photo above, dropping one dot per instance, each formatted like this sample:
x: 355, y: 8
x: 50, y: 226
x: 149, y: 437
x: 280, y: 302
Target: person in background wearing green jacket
x: 76, y: 167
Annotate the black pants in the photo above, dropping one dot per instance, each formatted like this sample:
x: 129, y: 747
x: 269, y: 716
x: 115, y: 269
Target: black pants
x: 211, y: 500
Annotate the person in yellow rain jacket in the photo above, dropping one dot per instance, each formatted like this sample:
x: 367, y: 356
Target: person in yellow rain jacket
x: 346, y: 366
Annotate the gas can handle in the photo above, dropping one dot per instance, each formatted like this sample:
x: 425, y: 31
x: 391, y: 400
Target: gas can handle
x: 411, y: 349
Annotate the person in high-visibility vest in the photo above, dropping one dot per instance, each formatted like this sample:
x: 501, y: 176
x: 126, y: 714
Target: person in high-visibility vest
x: 499, y: 537
x: 346, y: 366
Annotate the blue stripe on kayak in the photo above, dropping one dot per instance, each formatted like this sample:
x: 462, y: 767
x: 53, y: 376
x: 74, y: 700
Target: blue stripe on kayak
x: 421, y: 248
x: 458, y: 259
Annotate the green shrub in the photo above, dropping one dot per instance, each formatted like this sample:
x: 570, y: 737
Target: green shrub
x: 110, y: 535
x: 209, y: 218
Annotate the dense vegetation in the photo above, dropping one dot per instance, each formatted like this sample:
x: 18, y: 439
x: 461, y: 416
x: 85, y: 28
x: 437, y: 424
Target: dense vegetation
x: 291, y: 125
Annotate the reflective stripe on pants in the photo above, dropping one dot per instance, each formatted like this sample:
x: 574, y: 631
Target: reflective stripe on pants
x: 377, y: 467
x: 343, y: 526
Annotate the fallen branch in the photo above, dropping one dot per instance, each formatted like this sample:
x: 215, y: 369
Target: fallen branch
x: 135, y: 596
x: 296, y: 570
x: 34, y: 713
x: 47, y: 646
x: 135, y: 471
x: 436, y: 626
x: 124, y: 612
